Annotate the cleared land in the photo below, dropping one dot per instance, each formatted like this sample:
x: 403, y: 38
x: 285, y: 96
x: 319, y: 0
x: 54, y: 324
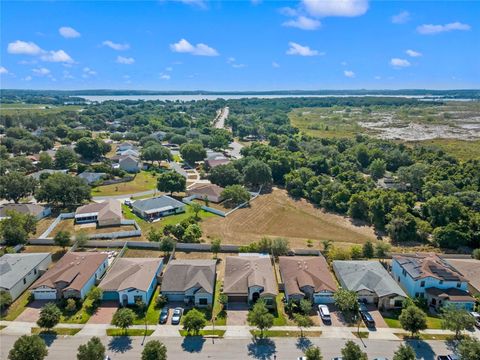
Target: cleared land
x: 143, y: 181
x: 278, y: 215
x: 69, y: 225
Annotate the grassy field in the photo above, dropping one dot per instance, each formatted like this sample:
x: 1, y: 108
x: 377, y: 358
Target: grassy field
x: 278, y: 215
x: 54, y: 331
x: 56, y: 251
x: 143, y: 181
x: 391, y: 318
x: 14, y: 109
x: 461, y: 149
x: 129, y: 332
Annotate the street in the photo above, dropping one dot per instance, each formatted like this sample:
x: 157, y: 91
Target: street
x: 198, y: 348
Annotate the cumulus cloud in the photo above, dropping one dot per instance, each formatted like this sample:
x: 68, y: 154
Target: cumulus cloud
x: 303, y: 22
x: 87, y: 72
x: 3, y: 70
x: 199, y: 3
x: 346, y: 8
x: 41, y: 71
x: 183, y: 46
x: 27, y: 78
x: 288, y: 11
x: 430, y: 29
x: 297, y: 49
x: 125, y: 60
x: 413, y: 53
x: 349, y: 73
x: 68, y: 32
x: 165, y: 76
x: 401, y: 18
x: 399, y: 63
x: 232, y: 61
x: 116, y: 46
x: 57, y: 56
x: 20, y: 47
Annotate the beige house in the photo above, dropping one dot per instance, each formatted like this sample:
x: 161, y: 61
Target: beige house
x: 210, y: 192
x: 107, y: 213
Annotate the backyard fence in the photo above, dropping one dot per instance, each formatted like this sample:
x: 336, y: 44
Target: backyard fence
x: 52, y: 226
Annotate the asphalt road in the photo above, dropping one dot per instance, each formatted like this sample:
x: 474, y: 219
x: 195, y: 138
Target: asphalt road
x: 232, y: 349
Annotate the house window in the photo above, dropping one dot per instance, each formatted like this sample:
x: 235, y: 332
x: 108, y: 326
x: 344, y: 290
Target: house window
x: 459, y: 284
x: 24, y: 281
x: 422, y: 284
x: 203, y: 301
x: 404, y: 272
x: 137, y: 299
x: 35, y: 271
x: 416, y: 295
x: 441, y: 282
x: 398, y: 279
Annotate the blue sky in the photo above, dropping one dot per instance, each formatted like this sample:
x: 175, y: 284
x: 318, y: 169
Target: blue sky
x: 240, y: 45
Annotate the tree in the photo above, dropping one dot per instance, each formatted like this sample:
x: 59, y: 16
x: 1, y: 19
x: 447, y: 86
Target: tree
x: 256, y: 173
x: 216, y: 246
x: 404, y: 352
x: 381, y: 249
x: 456, y: 320
x: 62, y: 238
x: 414, y: 175
x: 15, y: 186
x: 5, y: 300
x: 171, y: 182
x: 346, y: 300
x: 476, y: 254
x: 28, y: 347
x: 356, y: 252
x: 71, y: 306
x: 305, y: 306
x: 95, y: 294
x: 196, y: 208
x: 154, y: 350
x: 123, y: 318
x: 358, y: 207
x: 443, y: 210
x: 156, y: 152
x: 352, y: 351
x: 260, y: 317
x: 178, y: 139
x: 192, y: 152
x: 468, y: 349
x: 302, y: 321
x: 65, y: 158
x: 451, y: 236
x: 313, y: 353
x: 49, y: 316
x: 16, y: 227
x: 194, y: 321
x: 92, y: 149
x: 225, y: 175
x: 92, y: 350
x: 368, y: 250
x: 413, y: 319
x: 402, y: 227
x: 167, y: 244
x: 81, y: 238
x: 63, y: 189
x: 192, y: 233
x: 235, y: 195
x: 377, y: 169
x: 45, y: 161
x: 280, y: 246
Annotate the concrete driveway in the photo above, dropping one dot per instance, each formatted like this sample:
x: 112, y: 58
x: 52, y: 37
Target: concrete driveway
x: 104, y: 313
x: 335, y: 314
x: 32, y: 311
x: 237, y: 314
x: 377, y: 316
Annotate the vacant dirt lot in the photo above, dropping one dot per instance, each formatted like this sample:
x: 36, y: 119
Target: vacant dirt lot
x: 277, y: 215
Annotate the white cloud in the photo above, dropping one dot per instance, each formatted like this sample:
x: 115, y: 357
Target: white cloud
x: 3, y: 70
x: 349, y: 73
x: 238, y: 66
x: 413, y: 53
x: 288, y: 11
x: 165, y: 76
x: 20, y: 47
x: 169, y: 68
x: 297, y: 49
x: 41, y: 71
x: 28, y: 78
x: 377, y: 77
x: 56, y: 56
x: 67, y: 75
x: 401, y: 18
x: 275, y: 64
x: 430, y: 29
x: 125, y: 60
x: 116, y: 46
x: 232, y: 61
x: 183, y: 46
x: 344, y: 63
x: 399, y: 63
x: 87, y: 72
x: 68, y: 32
x: 324, y: 8
x: 304, y: 23
x: 199, y: 3
x: 255, y: 2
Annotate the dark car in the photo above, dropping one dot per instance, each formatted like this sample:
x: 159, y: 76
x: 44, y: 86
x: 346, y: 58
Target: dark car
x: 164, y: 315
x: 367, y: 319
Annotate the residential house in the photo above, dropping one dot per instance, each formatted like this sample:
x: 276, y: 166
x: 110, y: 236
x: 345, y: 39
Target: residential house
x: 159, y: 135
x: 431, y: 277
x: 131, y: 280
x: 91, y: 177
x: 130, y: 152
x: 250, y: 277
x: 129, y: 163
x: 157, y: 207
x: 19, y: 271
x: 36, y: 210
x: 372, y: 283
x: 212, y: 163
x: 71, y: 277
x: 125, y: 146
x: 470, y: 269
x: 107, y: 213
x: 307, y: 277
x: 210, y: 192
x: 37, y: 175
x: 190, y: 281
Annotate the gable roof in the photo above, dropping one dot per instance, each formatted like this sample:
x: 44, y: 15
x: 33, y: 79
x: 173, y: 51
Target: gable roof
x: 206, y: 189
x: 90, y: 177
x: 14, y: 267
x: 300, y: 271
x: 243, y: 272
x: 366, y: 275
x: 157, y: 204
x: 74, y: 268
x: 32, y: 209
x: 469, y: 268
x: 182, y: 275
x: 110, y: 209
x: 131, y: 273
x: 37, y: 174
x: 420, y: 266
x: 452, y: 294
x: 128, y: 159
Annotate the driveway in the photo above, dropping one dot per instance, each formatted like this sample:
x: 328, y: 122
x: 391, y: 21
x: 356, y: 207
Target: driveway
x: 237, y: 314
x: 32, y: 311
x: 336, y: 315
x: 377, y: 316
x: 104, y: 313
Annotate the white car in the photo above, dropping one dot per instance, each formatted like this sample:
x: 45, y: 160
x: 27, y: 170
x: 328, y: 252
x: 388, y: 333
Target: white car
x: 476, y: 316
x: 324, y: 313
x: 177, y: 315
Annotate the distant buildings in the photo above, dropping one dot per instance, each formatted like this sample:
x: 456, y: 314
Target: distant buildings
x: 210, y: 192
x: 91, y: 177
x: 36, y: 210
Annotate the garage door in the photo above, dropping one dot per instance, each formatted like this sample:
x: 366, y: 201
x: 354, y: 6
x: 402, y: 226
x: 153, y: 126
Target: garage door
x: 110, y: 296
x: 45, y: 294
x: 238, y: 299
x: 174, y: 297
x: 323, y: 299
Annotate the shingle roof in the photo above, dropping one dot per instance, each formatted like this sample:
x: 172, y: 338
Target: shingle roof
x: 161, y: 203
x: 74, y: 268
x: 420, y: 266
x: 14, y: 267
x: 243, y: 272
x: 300, y: 271
x: 366, y: 275
x: 126, y: 273
x: 90, y: 177
x: 32, y: 209
x: 110, y: 209
x: 451, y: 294
x: 206, y: 189
x: 469, y: 268
x: 181, y: 275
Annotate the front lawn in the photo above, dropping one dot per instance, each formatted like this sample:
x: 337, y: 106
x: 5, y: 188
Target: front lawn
x: 219, y: 313
x: 285, y: 333
x: 55, y: 331
x: 129, y: 332
x: 217, y: 333
x: 279, y: 312
x: 361, y: 334
x: 391, y: 318
x: 442, y: 337
x: 81, y: 316
x: 17, y: 307
x: 143, y: 181
x: 153, y: 313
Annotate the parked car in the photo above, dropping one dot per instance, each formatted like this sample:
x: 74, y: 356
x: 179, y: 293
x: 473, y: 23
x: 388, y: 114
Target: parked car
x: 337, y: 358
x: 367, y: 319
x: 324, y: 313
x: 476, y: 316
x: 128, y: 203
x: 164, y: 315
x: 447, y: 357
x: 177, y: 315
x: 381, y: 358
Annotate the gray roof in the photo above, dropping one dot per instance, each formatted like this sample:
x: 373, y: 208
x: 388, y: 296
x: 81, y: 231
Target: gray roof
x: 32, y: 209
x: 161, y: 203
x: 420, y: 266
x: 181, y: 275
x: 131, y: 273
x: 366, y: 275
x: 14, y: 267
x: 90, y: 177
x: 37, y: 174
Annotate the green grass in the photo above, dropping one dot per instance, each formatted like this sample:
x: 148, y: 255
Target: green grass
x: 55, y: 331
x: 218, y: 333
x: 17, y: 307
x: 442, y: 337
x: 129, y: 332
x: 391, y: 318
x: 81, y: 316
x: 285, y: 333
x: 279, y: 312
x: 153, y: 313
x: 219, y: 313
x: 460, y: 149
x: 177, y: 158
x: 361, y: 334
x: 2, y: 327
x: 16, y: 109
x: 143, y: 181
